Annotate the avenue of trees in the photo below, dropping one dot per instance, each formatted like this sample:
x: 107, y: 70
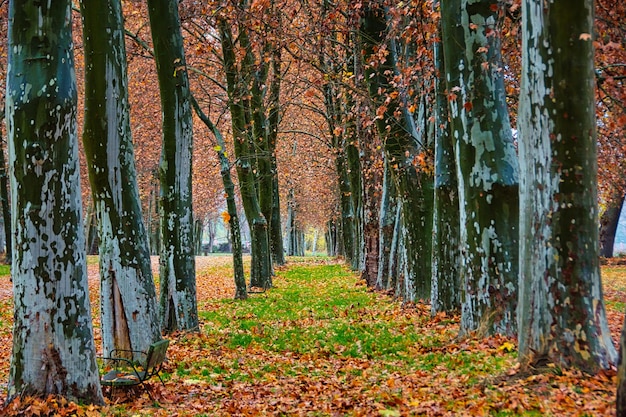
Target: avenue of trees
x: 449, y: 150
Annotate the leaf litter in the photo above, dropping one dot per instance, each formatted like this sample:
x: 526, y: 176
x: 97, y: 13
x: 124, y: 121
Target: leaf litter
x: 321, y: 344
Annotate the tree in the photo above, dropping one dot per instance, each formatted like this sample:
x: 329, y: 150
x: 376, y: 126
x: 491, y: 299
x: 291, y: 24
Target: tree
x: 177, y: 263
x: 129, y: 311
x: 446, y: 226
x: 404, y: 146
x: 231, y: 217
x: 487, y: 165
x: 53, y: 347
x: 238, y: 86
x: 561, y: 308
x: 5, y: 205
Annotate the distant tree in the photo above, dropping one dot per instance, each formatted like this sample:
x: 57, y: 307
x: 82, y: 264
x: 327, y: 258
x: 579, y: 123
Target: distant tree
x: 53, y: 347
x: 179, y: 308
x: 561, y: 309
x: 128, y: 308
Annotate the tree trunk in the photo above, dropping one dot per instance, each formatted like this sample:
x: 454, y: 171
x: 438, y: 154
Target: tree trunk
x: 371, y: 207
x: 487, y: 165
x: 446, y: 226
x: 608, y: 225
x: 241, y: 293
x: 331, y: 238
x: 561, y: 308
x: 6, y: 204
x: 237, y: 86
x: 387, y: 222
x: 129, y: 312
x: 346, y: 203
x: 414, y: 188
x: 276, y: 232
x: 621, y: 376
x: 179, y: 309
x: 53, y: 347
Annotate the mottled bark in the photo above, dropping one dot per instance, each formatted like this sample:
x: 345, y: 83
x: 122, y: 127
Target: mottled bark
x: 387, y: 221
x: 561, y: 309
x: 53, y: 347
x: 609, y: 221
x: 371, y: 209
x: 177, y: 274
x: 401, y: 148
x: 446, y: 226
x: 487, y: 165
x: 128, y: 305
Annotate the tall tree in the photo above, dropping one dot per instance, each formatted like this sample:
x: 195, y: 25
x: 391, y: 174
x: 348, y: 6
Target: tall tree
x: 128, y: 307
x: 446, y: 227
x: 487, y: 165
x: 238, y: 79
x: 53, y: 347
x: 274, y: 116
x: 179, y: 308
x: 241, y: 293
x: 561, y: 309
x: 5, y: 204
x: 403, y: 148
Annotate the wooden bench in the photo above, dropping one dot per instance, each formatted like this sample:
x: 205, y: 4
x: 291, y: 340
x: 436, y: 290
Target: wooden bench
x: 126, y: 372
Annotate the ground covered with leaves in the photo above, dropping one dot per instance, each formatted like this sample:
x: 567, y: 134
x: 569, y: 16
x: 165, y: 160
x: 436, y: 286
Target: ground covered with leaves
x: 320, y: 344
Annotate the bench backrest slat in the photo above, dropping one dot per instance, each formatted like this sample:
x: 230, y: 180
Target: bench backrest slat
x: 156, y: 355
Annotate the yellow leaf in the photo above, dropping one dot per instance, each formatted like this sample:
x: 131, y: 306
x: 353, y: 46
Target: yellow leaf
x: 507, y: 347
x: 217, y: 148
x: 389, y: 413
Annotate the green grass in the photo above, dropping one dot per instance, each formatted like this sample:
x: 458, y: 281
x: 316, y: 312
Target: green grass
x: 321, y: 343
x: 321, y: 310
x: 5, y: 270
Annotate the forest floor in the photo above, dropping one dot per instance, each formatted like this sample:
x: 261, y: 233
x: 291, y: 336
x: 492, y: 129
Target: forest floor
x: 321, y: 344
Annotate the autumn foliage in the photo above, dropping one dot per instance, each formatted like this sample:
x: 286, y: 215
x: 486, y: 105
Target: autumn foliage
x: 320, y: 343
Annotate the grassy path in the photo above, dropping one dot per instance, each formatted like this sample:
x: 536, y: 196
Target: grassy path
x: 321, y: 344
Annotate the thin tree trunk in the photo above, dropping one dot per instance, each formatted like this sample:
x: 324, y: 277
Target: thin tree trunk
x: 260, y: 275
x: 6, y: 204
x: 276, y: 233
x: 608, y: 225
x: 241, y: 293
x: 446, y: 226
x: 387, y: 221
